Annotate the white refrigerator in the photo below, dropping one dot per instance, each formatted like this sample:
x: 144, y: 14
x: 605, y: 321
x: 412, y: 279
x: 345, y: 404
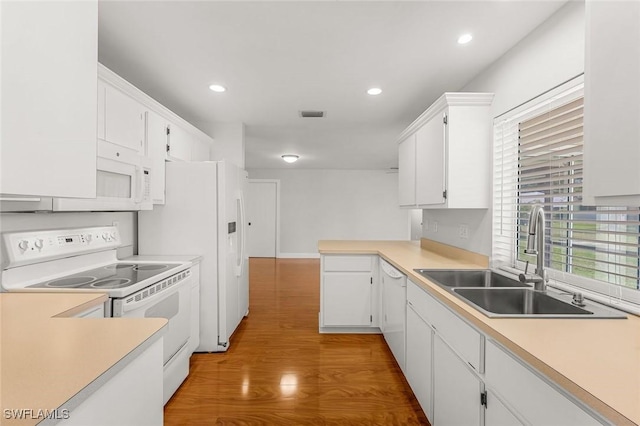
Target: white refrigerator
x: 204, y: 215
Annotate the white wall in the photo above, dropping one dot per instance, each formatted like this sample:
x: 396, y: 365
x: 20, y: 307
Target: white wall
x: 10, y: 222
x: 335, y: 204
x: 552, y: 54
x: 228, y: 141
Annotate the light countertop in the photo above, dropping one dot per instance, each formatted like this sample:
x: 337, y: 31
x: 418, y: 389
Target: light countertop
x: 48, y: 358
x: 596, y: 360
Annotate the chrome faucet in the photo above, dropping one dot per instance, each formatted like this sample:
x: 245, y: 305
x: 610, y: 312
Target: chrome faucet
x: 536, y: 246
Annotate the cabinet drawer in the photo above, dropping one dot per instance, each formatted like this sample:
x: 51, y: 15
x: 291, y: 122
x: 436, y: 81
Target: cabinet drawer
x: 417, y: 298
x: 457, y: 333
x: 347, y: 263
x: 527, y: 393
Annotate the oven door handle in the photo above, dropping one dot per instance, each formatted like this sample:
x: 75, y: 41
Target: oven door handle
x: 125, y: 307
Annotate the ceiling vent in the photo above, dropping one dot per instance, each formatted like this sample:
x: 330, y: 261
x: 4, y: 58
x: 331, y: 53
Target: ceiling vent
x: 312, y: 114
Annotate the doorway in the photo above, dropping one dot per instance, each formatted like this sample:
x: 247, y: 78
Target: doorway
x: 263, y: 199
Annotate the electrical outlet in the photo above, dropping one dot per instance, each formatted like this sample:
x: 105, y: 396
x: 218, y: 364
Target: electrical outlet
x: 463, y: 231
x: 435, y: 226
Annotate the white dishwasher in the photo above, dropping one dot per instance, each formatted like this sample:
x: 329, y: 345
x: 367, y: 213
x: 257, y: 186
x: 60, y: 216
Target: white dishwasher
x: 394, y: 310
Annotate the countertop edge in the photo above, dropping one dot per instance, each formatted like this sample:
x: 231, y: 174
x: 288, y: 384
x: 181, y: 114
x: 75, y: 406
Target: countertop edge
x: 598, y: 406
x: 82, y: 395
x: 72, y: 312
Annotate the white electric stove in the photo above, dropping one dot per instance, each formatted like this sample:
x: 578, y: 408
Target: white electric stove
x: 85, y: 260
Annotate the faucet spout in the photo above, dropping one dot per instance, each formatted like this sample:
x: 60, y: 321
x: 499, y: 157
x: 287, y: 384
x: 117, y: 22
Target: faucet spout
x: 536, y: 246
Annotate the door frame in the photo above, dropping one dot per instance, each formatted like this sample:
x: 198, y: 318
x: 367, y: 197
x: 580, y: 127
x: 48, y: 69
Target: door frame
x: 277, y: 182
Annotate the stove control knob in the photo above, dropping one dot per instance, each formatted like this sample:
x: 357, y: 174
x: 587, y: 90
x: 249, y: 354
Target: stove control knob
x: 105, y: 236
x: 39, y: 244
x: 23, y: 245
x: 88, y: 237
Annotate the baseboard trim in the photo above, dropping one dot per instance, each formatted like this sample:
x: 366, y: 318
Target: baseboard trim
x: 349, y: 330
x: 299, y: 255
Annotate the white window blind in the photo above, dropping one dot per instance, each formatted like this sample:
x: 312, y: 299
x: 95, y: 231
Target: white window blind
x: 538, y: 160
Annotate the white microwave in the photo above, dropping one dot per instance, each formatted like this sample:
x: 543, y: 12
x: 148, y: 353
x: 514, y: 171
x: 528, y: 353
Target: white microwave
x: 123, y: 182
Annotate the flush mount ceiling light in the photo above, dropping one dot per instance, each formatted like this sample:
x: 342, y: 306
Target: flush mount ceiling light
x: 217, y: 88
x: 465, y: 38
x: 290, y: 158
x: 374, y: 91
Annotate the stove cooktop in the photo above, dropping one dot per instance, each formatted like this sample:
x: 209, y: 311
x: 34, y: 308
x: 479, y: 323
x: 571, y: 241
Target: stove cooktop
x: 114, y: 276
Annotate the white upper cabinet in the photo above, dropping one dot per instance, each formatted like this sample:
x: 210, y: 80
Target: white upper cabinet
x: 124, y: 119
x: 450, y: 165
x: 407, y: 171
x: 48, y: 119
x: 179, y: 143
x: 611, y: 105
x: 157, y: 145
x: 430, y: 161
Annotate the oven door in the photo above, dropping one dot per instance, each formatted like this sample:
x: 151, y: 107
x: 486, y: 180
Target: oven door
x: 174, y: 304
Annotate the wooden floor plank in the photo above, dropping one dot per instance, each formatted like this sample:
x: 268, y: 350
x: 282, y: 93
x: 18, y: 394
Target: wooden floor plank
x: 280, y: 371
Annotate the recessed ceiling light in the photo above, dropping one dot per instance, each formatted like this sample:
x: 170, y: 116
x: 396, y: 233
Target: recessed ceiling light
x: 290, y: 158
x: 217, y: 88
x: 465, y: 38
x: 374, y: 91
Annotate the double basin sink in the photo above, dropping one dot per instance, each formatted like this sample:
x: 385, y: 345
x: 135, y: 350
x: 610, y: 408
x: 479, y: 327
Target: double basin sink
x: 496, y: 295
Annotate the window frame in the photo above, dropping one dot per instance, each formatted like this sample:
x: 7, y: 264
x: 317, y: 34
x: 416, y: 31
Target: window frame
x: 604, y: 291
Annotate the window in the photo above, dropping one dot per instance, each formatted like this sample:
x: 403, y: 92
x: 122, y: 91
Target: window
x: 538, y: 160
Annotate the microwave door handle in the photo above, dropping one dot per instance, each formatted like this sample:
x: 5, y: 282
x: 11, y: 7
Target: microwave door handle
x: 139, y: 184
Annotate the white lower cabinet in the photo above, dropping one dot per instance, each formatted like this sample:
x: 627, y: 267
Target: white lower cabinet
x: 132, y: 397
x: 419, y: 367
x: 461, y: 377
x: 496, y: 414
x: 456, y: 389
x: 347, y: 300
x: 530, y: 396
x: 347, y: 296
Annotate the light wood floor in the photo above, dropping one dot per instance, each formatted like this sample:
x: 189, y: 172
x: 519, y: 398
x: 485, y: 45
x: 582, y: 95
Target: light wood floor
x: 280, y: 371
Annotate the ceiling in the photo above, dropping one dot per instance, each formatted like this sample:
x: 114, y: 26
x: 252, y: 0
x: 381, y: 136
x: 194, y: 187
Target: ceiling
x: 277, y: 58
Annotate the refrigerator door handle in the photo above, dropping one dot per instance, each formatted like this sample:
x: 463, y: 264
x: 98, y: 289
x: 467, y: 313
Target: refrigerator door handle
x: 241, y: 237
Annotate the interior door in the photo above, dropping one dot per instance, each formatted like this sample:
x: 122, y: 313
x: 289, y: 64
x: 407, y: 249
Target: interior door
x: 261, y: 218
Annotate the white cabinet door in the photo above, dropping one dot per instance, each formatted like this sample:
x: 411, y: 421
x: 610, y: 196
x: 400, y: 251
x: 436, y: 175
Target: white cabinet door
x: 456, y: 390
x: 611, y: 107
x: 157, y: 145
x: 407, y: 172
x: 180, y: 144
x: 346, y: 299
x: 132, y: 397
x: 124, y: 120
x: 418, y: 369
x: 48, y: 114
x: 525, y: 392
x: 430, y: 162
x: 496, y: 414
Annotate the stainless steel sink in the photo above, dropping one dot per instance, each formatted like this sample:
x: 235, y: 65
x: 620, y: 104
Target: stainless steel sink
x: 497, y: 296
x: 517, y: 301
x: 468, y: 278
